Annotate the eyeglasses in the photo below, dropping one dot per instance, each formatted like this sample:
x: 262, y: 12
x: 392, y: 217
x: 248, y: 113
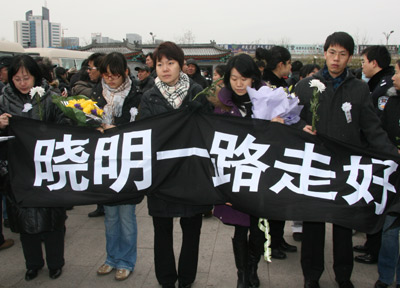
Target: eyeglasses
x: 91, y: 68
x: 111, y: 76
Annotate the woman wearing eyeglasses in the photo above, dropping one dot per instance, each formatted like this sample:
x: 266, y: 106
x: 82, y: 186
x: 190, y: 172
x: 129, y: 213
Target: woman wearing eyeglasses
x: 117, y: 98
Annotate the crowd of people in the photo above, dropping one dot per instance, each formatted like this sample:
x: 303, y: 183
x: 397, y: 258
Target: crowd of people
x: 166, y: 82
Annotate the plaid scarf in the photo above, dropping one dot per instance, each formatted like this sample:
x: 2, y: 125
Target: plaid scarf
x: 335, y: 81
x: 115, y: 100
x: 174, y: 94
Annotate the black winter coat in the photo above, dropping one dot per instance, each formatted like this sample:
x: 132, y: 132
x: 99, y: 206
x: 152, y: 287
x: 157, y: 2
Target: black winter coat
x: 154, y: 103
x: 364, y: 130
x: 131, y: 100
x: 391, y: 119
x: 379, y: 85
x: 35, y: 219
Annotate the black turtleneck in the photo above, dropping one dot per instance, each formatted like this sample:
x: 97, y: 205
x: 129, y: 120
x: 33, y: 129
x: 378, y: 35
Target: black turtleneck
x: 274, y: 80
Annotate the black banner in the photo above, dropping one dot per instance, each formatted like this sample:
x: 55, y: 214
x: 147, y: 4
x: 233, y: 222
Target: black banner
x: 263, y: 168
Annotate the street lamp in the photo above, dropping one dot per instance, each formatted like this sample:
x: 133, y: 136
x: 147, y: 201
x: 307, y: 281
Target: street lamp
x: 153, y: 36
x: 387, y: 35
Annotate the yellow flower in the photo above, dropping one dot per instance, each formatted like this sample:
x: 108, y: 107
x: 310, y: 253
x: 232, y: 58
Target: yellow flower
x: 99, y: 112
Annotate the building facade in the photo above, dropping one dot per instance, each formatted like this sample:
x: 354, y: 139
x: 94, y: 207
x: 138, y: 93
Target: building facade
x: 37, y: 31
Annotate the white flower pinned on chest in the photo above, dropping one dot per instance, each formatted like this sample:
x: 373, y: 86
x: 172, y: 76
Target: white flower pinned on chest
x: 346, y: 107
x: 27, y: 107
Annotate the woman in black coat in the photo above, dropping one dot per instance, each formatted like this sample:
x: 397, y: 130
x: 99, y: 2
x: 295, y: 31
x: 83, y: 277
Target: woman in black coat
x: 173, y: 90
x: 34, y: 224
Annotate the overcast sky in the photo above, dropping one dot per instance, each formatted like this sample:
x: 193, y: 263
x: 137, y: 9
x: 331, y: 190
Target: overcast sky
x: 235, y: 21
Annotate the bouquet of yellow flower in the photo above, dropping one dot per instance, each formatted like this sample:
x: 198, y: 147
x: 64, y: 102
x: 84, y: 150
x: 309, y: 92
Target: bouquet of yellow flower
x: 80, y: 109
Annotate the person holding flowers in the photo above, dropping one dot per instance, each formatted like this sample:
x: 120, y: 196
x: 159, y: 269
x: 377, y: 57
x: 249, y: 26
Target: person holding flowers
x: 341, y: 108
x: 119, y: 100
x: 241, y: 72
x: 28, y: 95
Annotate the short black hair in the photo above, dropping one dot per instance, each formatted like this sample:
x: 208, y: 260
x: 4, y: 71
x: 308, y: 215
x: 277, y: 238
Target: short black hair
x: 96, y: 58
x: 379, y: 53
x: 342, y: 39
x: 60, y: 71
x: 296, y: 65
x: 28, y: 63
x: 116, y: 62
x: 171, y: 51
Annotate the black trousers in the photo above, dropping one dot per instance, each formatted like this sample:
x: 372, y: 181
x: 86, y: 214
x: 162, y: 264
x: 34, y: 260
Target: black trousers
x: 312, y: 251
x: 54, y: 246
x: 276, y: 230
x: 373, y: 243
x: 1, y: 222
x: 255, y: 238
x: 164, y: 257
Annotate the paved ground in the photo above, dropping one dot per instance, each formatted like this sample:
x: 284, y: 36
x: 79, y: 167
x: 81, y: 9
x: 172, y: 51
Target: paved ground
x: 85, y: 252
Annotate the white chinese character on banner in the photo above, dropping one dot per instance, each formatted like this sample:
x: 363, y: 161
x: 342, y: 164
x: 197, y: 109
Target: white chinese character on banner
x: 361, y: 189
x: 224, y: 146
x: 73, y: 152
x: 134, y: 144
x: 306, y: 172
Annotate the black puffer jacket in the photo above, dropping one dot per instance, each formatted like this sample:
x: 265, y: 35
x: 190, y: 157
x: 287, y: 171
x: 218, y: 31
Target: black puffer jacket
x: 13, y: 103
x: 36, y: 219
x: 154, y: 103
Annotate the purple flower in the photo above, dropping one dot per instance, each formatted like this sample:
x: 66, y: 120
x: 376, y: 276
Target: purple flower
x: 78, y: 106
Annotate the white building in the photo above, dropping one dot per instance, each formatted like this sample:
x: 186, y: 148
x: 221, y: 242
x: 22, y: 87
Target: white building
x: 37, y: 31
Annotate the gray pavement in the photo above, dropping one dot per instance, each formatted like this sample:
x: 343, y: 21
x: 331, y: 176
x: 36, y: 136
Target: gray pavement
x: 85, y: 252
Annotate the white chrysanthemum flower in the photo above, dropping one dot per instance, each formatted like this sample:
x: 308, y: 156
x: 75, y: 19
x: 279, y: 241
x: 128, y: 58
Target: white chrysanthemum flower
x: 318, y: 84
x: 39, y: 90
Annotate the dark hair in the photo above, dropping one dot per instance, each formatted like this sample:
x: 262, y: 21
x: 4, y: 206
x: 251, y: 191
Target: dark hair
x: 28, y: 63
x: 96, y: 58
x: 342, y: 39
x: 296, y: 66
x: 378, y: 53
x: 276, y: 55
x: 307, y: 69
x: 60, y: 71
x: 171, y: 51
x: 260, y: 63
x: 220, y: 69
x: 116, y: 62
x: 260, y: 53
x: 46, y: 67
x: 246, y: 66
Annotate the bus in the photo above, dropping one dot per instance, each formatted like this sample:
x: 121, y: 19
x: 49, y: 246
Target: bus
x: 61, y: 57
x: 10, y: 48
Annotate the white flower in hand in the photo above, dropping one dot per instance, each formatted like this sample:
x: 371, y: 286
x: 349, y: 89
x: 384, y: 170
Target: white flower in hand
x: 39, y: 90
x: 318, y: 84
